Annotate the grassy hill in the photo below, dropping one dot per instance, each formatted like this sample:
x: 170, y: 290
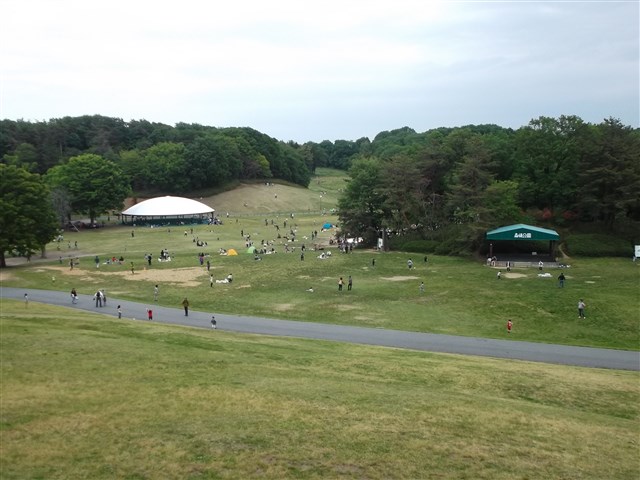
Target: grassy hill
x: 276, y: 197
x: 90, y: 396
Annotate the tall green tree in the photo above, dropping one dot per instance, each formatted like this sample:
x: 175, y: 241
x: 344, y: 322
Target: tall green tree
x: 27, y: 219
x: 95, y: 185
x: 164, y: 167
x: 547, y: 155
x: 362, y: 210
x: 501, y: 204
x: 609, y: 178
x: 404, y: 189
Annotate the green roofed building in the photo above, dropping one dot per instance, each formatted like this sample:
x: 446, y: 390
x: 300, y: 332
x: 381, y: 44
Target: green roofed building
x: 521, y: 231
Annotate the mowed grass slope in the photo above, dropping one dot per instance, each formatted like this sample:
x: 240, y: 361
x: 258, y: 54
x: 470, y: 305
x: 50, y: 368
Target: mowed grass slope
x: 87, y: 396
x: 462, y: 296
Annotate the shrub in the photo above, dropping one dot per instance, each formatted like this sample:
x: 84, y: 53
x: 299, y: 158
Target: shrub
x: 419, y: 246
x: 598, y: 245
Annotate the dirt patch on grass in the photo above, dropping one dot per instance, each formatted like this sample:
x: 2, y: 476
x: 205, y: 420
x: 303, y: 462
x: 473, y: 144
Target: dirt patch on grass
x: 187, y: 277
x: 347, y: 307
x: 513, y: 275
x: 400, y: 278
x: 283, y: 307
x: 4, y: 276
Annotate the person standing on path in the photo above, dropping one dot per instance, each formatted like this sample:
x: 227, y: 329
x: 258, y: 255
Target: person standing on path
x: 119, y: 312
x: 98, y: 298
x: 214, y: 324
x: 349, y: 283
x: 185, y: 304
x: 149, y: 314
x: 581, y: 307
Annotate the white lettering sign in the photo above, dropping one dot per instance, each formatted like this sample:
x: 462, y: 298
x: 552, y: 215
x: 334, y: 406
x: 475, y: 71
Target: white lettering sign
x: 521, y: 235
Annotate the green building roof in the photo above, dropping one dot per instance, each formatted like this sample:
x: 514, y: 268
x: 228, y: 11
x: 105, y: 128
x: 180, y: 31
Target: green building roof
x: 521, y: 231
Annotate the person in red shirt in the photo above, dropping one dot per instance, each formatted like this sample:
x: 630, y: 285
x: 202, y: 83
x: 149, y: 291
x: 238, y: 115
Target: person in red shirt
x: 149, y: 314
x: 509, y: 325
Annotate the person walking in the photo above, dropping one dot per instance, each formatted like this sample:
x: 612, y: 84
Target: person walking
x: 340, y: 284
x: 185, y: 305
x: 349, y: 283
x: 156, y: 291
x: 74, y: 296
x: 561, y: 279
x: 581, y: 307
x: 421, y: 288
x: 214, y: 324
x: 149, y: 314
x: 119, y: 309
x: 509, y: 325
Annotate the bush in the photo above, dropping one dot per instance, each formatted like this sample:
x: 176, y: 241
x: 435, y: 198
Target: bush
x: 598, y: 245
x: 419, y: 246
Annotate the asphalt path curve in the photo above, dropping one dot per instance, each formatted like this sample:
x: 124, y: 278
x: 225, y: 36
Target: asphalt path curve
x: 486, y: 347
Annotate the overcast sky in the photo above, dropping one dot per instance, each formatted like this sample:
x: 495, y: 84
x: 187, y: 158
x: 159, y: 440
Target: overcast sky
x: 320, y: 70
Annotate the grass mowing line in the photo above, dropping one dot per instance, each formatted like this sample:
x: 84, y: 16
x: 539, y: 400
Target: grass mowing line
x: 84, y: 396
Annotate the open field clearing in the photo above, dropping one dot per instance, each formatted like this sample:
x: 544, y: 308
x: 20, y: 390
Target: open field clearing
x: 462, y: 296
x: 87, y: 396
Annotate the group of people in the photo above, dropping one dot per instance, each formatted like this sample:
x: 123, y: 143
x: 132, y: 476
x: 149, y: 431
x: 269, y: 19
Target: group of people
x: 349, y: 283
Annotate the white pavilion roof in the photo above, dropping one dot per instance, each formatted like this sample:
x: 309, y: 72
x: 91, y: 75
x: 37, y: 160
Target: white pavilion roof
x: 168, y: 206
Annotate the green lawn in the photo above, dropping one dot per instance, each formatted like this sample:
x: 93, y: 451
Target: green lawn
x: 462, y: 296
x: 86, y: 396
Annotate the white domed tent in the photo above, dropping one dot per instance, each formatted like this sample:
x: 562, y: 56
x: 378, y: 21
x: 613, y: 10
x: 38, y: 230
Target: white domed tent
x: 165, y: 210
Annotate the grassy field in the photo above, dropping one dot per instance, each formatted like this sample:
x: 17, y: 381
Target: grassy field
x: 462, y: 296
x: 86, y: 396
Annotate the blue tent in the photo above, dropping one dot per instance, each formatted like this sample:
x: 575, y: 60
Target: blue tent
x: 327, y: 226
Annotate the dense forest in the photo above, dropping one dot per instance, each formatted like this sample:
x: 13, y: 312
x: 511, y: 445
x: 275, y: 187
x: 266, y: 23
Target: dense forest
x: 445, y: 182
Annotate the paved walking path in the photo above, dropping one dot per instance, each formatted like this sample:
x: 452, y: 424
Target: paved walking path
x: 529, y: 351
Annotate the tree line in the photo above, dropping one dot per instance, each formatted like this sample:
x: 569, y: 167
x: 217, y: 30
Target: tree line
x: 154, y: 156
x: 447, y: 184
x: 452, y: 185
